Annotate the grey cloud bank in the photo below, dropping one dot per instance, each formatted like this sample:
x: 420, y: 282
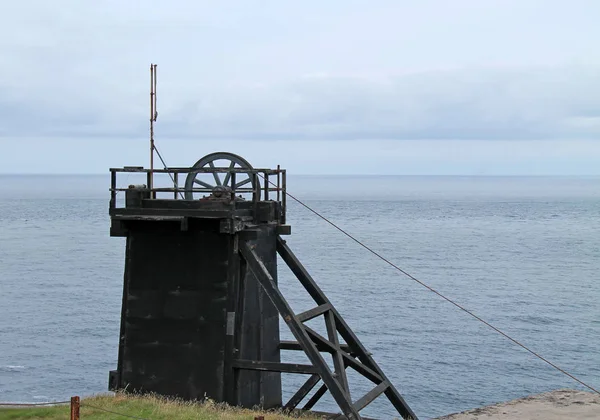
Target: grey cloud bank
x: 534, y: 104
x: 463, y: 104
x: 366, y: 73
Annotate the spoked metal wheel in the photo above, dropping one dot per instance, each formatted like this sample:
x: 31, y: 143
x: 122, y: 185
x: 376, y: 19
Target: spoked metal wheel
x: 244, y: 184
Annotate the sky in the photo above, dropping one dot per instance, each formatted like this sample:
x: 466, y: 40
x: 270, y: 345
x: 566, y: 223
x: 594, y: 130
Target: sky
x: 435, y: 87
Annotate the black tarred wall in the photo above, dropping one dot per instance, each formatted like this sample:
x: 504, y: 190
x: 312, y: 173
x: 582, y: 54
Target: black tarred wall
x: 177, y: 292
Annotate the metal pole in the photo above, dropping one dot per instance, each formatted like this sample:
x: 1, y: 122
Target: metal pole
x: 280, y: 217
x: 233, y: 187
x: 175, y: 184
x: 284, y: 196
x: 113, y: 186
x: 278, y: 181
x: 153, y: 115
x: 151, y: 125
x: 266, y: 174
x: 255, y: 194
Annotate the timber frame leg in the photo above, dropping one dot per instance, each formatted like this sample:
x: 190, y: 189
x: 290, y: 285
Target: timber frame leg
x: 353, y: 354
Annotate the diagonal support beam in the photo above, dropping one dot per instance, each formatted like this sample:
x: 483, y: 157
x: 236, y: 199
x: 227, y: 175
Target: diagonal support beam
x: 365, y: 357
x: 315, y: 398
x: 347, y: 334
x: 300, y: 272
x: 338, y: 360
x: 370, y: 396
x: 266, y: 281
x: 367, y: 372
x: 302, y: 392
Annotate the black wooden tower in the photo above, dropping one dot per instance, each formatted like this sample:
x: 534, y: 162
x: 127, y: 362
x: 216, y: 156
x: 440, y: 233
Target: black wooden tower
x: 201, y: 304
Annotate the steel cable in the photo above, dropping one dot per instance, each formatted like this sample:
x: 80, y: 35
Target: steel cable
x: 166, y: 168
x: 431, y: 289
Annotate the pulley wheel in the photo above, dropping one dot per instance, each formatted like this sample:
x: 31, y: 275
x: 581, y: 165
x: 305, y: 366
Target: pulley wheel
x: 244, y: 183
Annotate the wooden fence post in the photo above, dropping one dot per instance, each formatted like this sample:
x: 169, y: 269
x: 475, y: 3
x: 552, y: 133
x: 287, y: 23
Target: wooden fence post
x: 74, y: 408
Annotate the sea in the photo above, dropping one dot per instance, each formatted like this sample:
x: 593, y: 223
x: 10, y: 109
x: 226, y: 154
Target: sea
x: 522, y: 253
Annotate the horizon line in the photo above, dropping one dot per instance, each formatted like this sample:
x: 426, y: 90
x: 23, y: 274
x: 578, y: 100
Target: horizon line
x: 107, y: 173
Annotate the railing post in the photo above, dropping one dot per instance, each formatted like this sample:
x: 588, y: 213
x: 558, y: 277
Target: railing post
x: 266, y: 186
x: 278, y: 181
x: 75, y: 408
x: 255, y: 193
x: 113, y: 186
x: 232, y: 177
x: 175, y: 184
x: 283, y: 196
x: 256, y: 190
x: 149, y: 182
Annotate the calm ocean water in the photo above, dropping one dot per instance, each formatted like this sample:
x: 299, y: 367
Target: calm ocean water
x: 523, y: 253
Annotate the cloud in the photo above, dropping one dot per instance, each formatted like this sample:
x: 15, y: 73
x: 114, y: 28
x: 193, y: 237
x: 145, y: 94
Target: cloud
x: 336, y: 70
x: 460, y: 104
x: 468, y: 104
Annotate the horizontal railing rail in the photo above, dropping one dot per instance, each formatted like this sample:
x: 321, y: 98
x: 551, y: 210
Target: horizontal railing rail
x: 262, y: 187
x: 193, y: 170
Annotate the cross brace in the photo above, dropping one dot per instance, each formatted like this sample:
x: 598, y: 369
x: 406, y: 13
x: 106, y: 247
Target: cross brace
x: 352, y: 354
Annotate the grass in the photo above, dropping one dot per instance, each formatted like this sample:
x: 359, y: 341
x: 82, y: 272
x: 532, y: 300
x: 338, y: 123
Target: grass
x: 151, y: 407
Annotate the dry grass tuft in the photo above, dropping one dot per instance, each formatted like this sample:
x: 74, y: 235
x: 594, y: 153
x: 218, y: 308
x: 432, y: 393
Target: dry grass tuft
x: 148, y: 406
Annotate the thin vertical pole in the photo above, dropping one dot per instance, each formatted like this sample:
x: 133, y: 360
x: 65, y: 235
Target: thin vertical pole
x: 74, y: 408
x: 113, y: 186
x: 233, y: 187
x: 284, y: 198
x: 153, y: 115
x: 175, y: 184
x: 255, y: 194
x: 151, y: 125
x: 278, y: 181
x: 266, y: 186
x: 279, y: 218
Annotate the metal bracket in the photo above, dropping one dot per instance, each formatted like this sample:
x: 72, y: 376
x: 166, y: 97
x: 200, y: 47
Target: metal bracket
x: 231, y: 226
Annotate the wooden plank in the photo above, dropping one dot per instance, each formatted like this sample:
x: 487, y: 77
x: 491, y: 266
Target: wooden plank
x: 284, y: 230
x: 338, y: 360
x: 238, y: 341
x: 367, y: 372
x: 315, y: 399
x: 370, y: 396
x: 326, y: 415
x: 274, y: 366
x: 302, y: 392
x: 231, y: 339
x: 204, y: 214
x: 150, y: 218
x: 294, y: 345
x: 314, y: 312
x: 365, y: 357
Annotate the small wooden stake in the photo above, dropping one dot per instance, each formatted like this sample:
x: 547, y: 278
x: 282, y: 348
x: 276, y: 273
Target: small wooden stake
x: 74, y: 408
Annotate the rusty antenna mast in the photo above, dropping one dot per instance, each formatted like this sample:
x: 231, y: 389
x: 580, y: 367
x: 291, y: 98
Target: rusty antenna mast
x: 153, y: 115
